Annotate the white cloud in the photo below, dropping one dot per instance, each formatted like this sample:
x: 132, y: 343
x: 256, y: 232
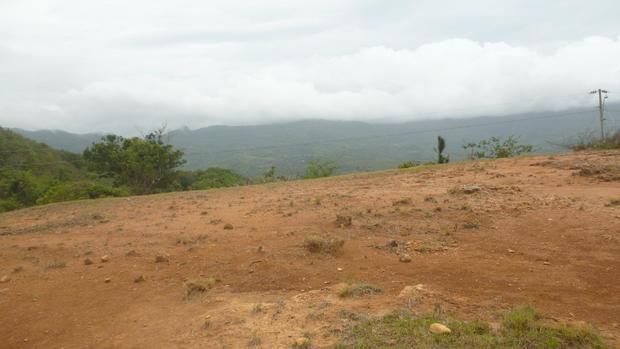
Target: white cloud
x: 119, y: 67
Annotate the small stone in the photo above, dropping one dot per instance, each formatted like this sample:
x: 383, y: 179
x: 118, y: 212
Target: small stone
x: 132, y: 253
x: 5, y: 279
x: 302, y: 342
x: 546, y: 263
x: 339, y: 269
x: 107, y: 280
x: 88, y: 261
x: 405, y: 258
x: 511, y: 250
x: 161, y: 259
x: 105, y: 259
x: 438, y: 328
x: 139, y: 279
x: 228, y: 226
x: 392, y: 243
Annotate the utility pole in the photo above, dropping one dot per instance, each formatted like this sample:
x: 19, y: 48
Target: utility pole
x: 601, y: 109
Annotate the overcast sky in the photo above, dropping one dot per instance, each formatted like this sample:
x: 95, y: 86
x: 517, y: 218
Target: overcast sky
x: 127, y: 66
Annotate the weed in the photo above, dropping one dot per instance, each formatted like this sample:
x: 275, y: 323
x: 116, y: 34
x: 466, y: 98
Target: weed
x: 254, y: 340
x: 55, y: 264
x: 327, y: 245
x: 257, y: 308
x: 358, y: 290
x: 522, y: 327
x: 197, y: 286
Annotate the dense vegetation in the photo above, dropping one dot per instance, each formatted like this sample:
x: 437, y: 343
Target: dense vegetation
x: 32, y: 173
x: 356, y: 146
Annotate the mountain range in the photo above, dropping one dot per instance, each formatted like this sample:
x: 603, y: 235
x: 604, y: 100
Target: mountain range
x: 354, y: 146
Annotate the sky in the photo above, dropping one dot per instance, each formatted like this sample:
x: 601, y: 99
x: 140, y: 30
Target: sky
x: 130, y: 66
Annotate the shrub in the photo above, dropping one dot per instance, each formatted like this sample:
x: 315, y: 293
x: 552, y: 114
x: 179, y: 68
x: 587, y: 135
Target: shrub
x: 318, y: 244
x: 66, y: 191
x: 495, y: 147
x: 317, y: 168
x: 359, y: 289
x: 409, y: 164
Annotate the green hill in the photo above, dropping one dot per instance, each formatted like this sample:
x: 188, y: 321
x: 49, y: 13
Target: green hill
x: 33, y: 173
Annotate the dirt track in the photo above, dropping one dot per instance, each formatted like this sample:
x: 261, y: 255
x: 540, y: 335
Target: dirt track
x: 532, y: 230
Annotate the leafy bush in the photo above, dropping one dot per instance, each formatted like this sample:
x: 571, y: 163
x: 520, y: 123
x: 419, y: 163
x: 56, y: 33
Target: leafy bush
x: 66, y: 191
x: 215, y: 177
x: 409, y: 164
x: 317, y: 168
x: 495, y: 147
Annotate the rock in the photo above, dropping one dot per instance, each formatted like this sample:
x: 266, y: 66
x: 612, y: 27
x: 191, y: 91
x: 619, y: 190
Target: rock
x: 302, y: 342
x: 340, y: 269
x: 5, y: 279
x: 392, y: 243
x: 161, y: 259
x: 132, y: 253
x: 228, y: 226
x: 470, y: 188
x: 438, y: 328
x: 105, y: 259
x: 511, y: 251
x: 405, y: 258
x: 88, y: 261
x: 411, y: 291
x: 107, y: 280
x: 139, y: 279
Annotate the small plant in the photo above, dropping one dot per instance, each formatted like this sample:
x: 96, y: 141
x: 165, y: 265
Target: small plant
x: 317, y: 168
x: 197, y: 286
x: 359, y: 289
x: 254, y: 340
x: 55, y: 264
x: 402, y: 202
x: 257, y: 308
x: 495, y: 148
x: 327, y: 245
x: 409, y: 164
x: 614, y: 202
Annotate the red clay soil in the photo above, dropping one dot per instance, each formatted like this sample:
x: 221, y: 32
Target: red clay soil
x: 482, y: 237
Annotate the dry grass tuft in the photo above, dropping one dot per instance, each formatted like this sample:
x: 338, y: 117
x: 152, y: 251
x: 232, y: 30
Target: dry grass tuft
x: 327, y: 245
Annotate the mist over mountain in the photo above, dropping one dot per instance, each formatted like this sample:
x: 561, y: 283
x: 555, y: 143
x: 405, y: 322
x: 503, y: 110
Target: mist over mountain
x: 355, y: 146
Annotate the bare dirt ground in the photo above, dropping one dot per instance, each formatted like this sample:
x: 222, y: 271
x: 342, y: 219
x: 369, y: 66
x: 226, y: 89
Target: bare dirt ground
x: 482, y: 237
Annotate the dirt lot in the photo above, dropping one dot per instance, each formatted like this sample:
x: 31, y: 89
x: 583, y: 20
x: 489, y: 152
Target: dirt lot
x: 482, y: 237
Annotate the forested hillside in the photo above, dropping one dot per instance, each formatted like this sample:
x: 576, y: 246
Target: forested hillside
x: 354, y: 146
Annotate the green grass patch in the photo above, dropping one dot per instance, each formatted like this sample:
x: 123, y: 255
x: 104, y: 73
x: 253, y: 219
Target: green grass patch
x: 521, y: 328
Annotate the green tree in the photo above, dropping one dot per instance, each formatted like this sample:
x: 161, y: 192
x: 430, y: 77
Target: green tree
x: 146, y: 165
x: 317, y: 168
x: 495, y: 147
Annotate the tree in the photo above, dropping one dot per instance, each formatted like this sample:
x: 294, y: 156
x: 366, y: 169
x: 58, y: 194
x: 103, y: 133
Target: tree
x: 316, y: 168
x: 146, y: 165
x: 495, y: 147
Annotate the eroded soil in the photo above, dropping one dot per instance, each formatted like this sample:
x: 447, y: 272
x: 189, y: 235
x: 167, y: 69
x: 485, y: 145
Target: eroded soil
x: 482, y: 237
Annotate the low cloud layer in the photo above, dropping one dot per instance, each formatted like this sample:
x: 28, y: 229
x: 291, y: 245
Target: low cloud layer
x: 129, y: 69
